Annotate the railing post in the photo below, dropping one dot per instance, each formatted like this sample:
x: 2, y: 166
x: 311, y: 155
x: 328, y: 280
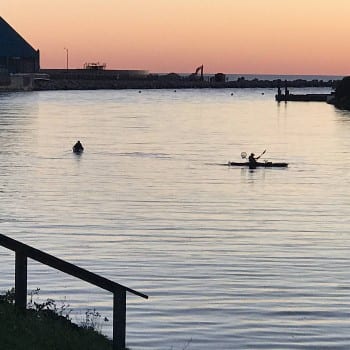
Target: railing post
x: 21, y: 280
x: 119, y: 319
x: 24, y: 252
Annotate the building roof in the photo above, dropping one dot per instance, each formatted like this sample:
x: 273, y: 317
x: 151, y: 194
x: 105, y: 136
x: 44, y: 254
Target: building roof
x: 12, y: 44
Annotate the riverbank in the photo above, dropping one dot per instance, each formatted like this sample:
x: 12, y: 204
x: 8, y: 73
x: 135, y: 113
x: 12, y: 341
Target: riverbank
x: 42, y: 330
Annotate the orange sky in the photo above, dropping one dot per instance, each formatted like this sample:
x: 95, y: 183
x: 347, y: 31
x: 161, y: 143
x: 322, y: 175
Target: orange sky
x: 229, y: 36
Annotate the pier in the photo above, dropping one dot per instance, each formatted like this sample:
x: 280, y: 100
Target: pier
x: 303, y: 97
x: 287, y: 96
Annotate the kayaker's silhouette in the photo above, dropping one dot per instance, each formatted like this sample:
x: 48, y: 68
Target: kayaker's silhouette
x: 253, y: 164
x: 78, y: 147
x: 253, y: 160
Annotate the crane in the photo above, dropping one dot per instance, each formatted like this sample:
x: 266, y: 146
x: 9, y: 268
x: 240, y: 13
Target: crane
x: 199, y: 69
x: 194, y: 76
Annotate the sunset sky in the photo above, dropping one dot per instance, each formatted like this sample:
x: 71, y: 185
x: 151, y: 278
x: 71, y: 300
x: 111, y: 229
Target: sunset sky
x: 229, y: 36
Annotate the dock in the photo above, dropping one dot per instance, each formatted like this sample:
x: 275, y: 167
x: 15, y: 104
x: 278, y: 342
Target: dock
x: 287, y: 96
x: 303, y: 97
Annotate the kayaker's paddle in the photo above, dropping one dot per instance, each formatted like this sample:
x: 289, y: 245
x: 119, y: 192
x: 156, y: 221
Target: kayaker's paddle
x: 244, y: 155
x: 261, y: 154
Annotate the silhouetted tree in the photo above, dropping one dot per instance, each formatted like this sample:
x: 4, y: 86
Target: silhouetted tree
x: 342, y: 94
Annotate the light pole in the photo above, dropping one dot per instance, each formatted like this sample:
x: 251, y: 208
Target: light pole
x: 66, y: 58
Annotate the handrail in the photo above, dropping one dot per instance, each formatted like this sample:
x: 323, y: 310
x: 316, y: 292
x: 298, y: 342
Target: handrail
x: 24, y: 251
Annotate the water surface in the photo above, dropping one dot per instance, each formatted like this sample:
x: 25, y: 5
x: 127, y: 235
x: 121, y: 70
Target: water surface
x: 230, y: 258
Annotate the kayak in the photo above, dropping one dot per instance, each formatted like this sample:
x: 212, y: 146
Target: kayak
x: 260, y: 164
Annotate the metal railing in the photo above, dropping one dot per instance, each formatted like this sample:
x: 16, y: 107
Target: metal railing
x: 23, y: 252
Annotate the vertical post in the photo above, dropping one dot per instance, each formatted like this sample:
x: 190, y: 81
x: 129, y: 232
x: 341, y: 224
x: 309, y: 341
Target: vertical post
x: 119, y: 319
x: 21, y: 280
x: 66, y: 58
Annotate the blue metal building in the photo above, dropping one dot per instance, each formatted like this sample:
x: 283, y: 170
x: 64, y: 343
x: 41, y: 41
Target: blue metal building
x: 16, y: 55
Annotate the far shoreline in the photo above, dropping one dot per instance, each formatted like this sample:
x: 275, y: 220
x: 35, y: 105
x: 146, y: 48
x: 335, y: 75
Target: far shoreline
x: 72, y: 80
x: 101, y: 79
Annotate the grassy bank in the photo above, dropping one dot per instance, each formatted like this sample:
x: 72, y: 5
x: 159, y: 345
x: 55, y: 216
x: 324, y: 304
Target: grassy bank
x: 45, y: 330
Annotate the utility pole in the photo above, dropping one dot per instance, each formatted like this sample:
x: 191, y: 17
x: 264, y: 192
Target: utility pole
x: 66, y: 58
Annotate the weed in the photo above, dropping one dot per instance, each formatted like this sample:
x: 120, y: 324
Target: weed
x: 8, y: 297
x: 49, y: 305
x: 93, y: 320
x: 44, y: 326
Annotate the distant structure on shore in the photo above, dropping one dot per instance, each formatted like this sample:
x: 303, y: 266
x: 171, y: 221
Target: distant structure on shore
x: 20, y: 71
x: 198, y: 74
x: 20, y: 68
x: 16, y: 54
x: 95, y: 66
x: 19, y: 61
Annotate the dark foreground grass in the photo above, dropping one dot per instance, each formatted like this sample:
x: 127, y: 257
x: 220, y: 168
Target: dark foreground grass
x: 45, y: 330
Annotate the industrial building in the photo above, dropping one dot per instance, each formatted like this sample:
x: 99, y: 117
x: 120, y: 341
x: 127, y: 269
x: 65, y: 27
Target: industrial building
x: 20, y: 69
x: 16, y: 55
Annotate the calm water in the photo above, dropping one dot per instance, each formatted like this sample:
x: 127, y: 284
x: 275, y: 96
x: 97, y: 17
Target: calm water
x: 230, y: 258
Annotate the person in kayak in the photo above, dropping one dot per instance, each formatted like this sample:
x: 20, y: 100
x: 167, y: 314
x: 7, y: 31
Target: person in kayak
x: 253, y: 160
x: 78, y: 147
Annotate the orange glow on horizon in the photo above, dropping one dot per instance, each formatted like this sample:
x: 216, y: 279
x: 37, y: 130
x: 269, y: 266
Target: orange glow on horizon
x: 241, y: 36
